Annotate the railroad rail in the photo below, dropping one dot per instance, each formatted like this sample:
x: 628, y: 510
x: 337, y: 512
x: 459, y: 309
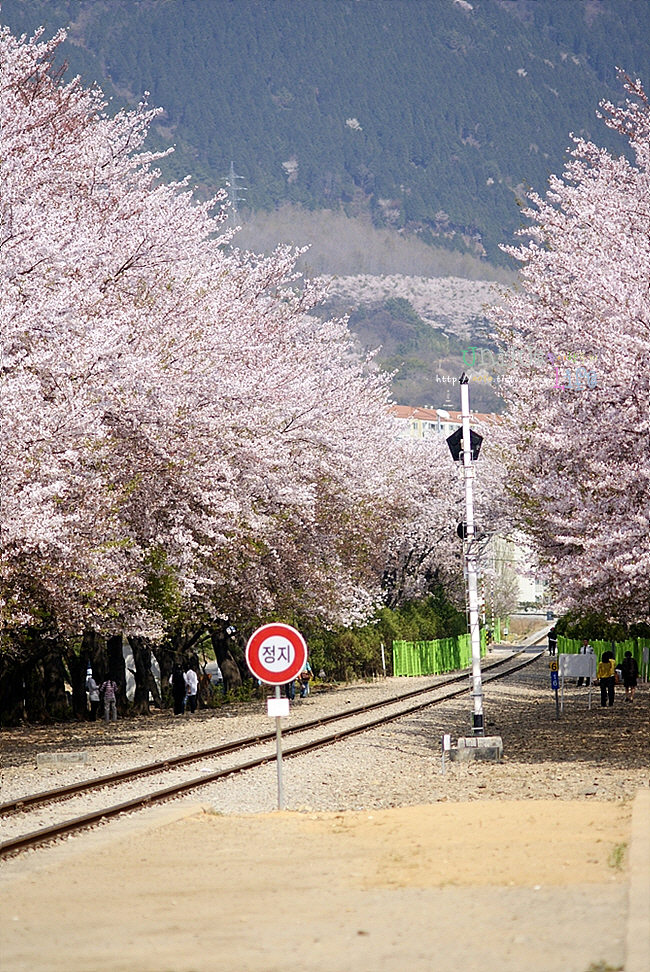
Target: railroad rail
x: 427, y: 696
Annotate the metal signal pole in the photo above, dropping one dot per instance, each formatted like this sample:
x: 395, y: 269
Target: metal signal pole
x: 472, y: 570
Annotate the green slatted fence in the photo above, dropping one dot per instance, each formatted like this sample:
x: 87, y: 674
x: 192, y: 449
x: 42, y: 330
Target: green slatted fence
x: 434, y: 657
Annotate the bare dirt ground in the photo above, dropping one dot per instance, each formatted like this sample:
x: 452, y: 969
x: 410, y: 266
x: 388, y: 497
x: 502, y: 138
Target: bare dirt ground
x: 496, y: 887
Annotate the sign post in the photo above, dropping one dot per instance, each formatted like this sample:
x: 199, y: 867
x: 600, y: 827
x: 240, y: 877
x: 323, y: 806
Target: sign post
x: 555, y: 684
x: 446, y: 747
x: 276, y: 654
x: 278, y: 750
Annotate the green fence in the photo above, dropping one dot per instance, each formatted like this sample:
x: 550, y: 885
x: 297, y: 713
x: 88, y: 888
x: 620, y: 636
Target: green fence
x: 571, y: 646
x: 434, y: 657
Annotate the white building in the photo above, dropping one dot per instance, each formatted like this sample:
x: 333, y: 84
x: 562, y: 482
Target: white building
x: 422, y: 422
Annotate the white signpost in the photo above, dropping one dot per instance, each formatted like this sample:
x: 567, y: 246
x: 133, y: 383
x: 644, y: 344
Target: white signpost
x: 276, y: 654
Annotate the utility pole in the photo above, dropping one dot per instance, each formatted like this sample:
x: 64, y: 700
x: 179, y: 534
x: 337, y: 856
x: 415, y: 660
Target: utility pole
x: 463, y: 442
x: 234, y: 190
x: 472, y: 568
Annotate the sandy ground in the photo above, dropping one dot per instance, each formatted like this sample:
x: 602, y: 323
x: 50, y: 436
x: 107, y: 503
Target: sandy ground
x: 504, y: 886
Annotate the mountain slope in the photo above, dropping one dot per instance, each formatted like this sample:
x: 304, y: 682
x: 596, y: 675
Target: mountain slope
x: 428, y: 115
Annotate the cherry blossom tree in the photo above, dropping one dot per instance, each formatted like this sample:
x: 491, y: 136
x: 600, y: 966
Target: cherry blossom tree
x: 182, y: 437
x: 425, y: 551
x: 576, y: 441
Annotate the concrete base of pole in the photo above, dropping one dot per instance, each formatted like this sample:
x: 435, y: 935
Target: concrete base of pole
x: 477, y: 747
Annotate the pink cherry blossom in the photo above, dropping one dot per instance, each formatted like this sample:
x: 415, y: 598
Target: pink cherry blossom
x: 182, y: 436
x: 577, y: 462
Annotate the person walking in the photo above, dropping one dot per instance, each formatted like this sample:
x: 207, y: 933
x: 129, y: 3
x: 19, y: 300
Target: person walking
x: 179, y: 688
x: 290, y: 689
x: 306, y: 676
x: 192, y: 685
x: 606, y: 675
x: 93, y: 695
x: 552, y: 641
x: 585, y: 649
x: 109, y: 693
x: 630, y: 674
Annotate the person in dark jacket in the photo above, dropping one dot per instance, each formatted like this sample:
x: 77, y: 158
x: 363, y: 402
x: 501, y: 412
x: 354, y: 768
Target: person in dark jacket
x: 93, y: 695
x: 629, y: 673
x: 177, y: 682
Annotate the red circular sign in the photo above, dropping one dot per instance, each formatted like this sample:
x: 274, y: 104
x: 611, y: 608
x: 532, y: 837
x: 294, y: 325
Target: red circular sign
x: 276, y: 653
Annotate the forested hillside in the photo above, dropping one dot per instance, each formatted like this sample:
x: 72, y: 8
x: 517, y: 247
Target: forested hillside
x: 428, y: 116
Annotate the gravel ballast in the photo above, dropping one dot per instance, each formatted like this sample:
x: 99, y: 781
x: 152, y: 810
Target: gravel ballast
x: 594, y: 754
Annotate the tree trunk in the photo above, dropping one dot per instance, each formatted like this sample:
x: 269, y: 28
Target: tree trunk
x: 225, y: 659
x: 117, y: 669
x: 34, y: 682
x: 12, y: 703
x: 142, y: 661
x: 57, y: 700
x: 93, y: 651
x: 77, y: 670
x: 165, y: 659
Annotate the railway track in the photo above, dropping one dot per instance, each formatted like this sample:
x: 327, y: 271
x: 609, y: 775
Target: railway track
x: 261, y: 747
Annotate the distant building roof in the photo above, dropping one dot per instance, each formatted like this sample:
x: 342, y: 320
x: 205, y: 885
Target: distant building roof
x: 437, y: 414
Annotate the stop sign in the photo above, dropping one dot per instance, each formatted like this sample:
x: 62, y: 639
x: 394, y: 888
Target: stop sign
x: 276, y: 653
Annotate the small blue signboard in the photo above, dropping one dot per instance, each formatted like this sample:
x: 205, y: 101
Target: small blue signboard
x: 555, y: 681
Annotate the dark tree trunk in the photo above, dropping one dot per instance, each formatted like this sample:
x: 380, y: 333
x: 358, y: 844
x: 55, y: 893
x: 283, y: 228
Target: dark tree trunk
x: 34, y: 681
x: 12, y: 704
x: 44, y: 680
x: 93, y: 652
x: 225, y: 659
x: 117, y: 669
x: 57, y: 701
x: 142, y: 661
x: 165, y: 659
x: 77, y: 670
x: 45, y: 695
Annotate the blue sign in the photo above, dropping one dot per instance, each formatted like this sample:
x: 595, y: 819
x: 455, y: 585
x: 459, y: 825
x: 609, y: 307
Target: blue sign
x: 555, y: 681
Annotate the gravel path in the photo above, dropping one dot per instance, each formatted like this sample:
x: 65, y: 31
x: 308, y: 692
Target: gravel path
x: 139, y: 740
x: 597, y: 754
